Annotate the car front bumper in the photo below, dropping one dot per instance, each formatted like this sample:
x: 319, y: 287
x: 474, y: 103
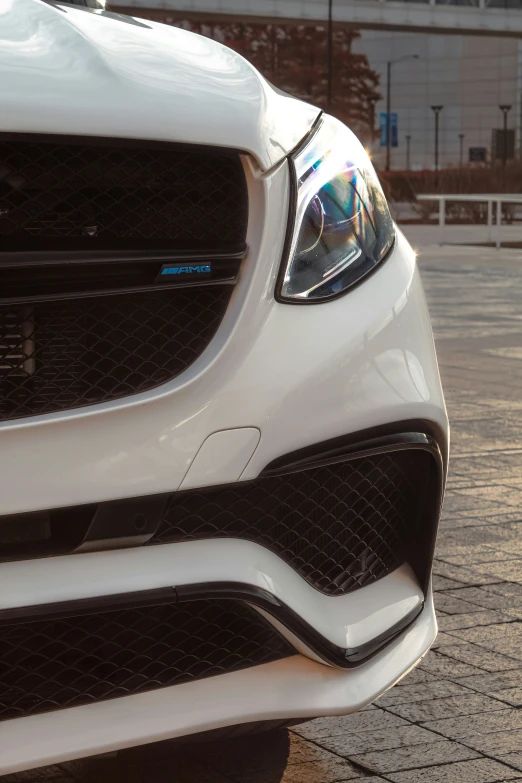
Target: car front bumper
x: 295, y: 687
x: 275, y: 380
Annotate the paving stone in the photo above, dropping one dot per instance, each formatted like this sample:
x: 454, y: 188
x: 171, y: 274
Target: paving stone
x: 444, y: 602
x: 511, y: 696
x: 501, y: 493
x: 508, y: 570
x: 486, y: 598
x: 371, y: 779
x: 504, y: 588
x: 513, y: 759
x: 436, y: 689
x: 455, y: 622
x: 451, y: 542
x: 493, y: 681
x: 511, y: 543
x: 444, y: 639
x: 302, y: 751
x: 447, y: 668
x: 443, y: 583
x: 497, y: 743
x: 464, y: 575
x: 483, y: 554
x: 503, y: 638
x: 375, y: 720
x: 478, y: 656
x: 469, y: 725
x: 349, y: 745
x: 515, y: 612
x: 334, y: 772
x: 414, y: 756
x: 450, y: 707
x: 415, y: 677
x: 465, y: 523
x: 476, y: 771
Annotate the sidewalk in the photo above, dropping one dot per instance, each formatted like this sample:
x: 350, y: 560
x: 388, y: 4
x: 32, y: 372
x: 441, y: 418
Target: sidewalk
x: 420, y: 236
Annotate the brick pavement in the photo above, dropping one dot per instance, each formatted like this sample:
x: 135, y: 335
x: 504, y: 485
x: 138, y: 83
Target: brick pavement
x: 457, y: 718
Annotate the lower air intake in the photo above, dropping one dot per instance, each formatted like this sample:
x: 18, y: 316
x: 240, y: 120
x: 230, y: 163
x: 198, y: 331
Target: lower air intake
x: 48, y: 664
x: 340, y: 526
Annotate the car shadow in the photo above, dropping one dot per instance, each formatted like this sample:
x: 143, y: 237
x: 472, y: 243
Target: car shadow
x: 258, y: 758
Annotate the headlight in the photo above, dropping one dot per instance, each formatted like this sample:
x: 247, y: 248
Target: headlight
x: 343, y: 228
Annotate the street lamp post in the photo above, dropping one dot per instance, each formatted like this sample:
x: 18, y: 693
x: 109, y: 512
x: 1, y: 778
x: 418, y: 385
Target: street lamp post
x: 505, y: 111
x: 408, y: 142
x: 388, y: 102
x: 436, y: 111
x: 373, y: 101
x: 461, y: 139
x: 330, y: 57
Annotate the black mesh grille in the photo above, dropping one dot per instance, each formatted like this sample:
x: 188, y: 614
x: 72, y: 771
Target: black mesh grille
x: 56, y: 195
x: 52, y: 663
x: 341, y: 526
x: 60, y: 355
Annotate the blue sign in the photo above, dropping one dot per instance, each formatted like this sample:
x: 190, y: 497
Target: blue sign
x: 394, y: 129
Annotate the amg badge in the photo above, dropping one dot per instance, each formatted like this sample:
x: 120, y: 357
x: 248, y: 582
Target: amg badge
x: 183, y: 271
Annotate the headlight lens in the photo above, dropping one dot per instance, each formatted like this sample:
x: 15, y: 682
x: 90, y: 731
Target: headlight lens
x: 343, y: 227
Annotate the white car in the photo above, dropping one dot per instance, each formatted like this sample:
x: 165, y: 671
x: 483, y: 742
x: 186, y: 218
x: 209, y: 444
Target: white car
x: 223, y: 439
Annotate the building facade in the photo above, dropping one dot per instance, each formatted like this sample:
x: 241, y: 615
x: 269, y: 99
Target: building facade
x: 467, y: 73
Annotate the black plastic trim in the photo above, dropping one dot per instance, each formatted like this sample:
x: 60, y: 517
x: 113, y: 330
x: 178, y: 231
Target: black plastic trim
x: 408, y: 433
x: 103, y: 292
x: 344, y: 658
x: 32, y: 258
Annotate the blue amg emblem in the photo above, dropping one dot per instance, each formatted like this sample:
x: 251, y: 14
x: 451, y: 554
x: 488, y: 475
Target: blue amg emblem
x: 197, y: 269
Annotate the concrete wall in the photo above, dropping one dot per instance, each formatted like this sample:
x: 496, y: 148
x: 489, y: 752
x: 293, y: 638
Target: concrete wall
x: 470, y: 76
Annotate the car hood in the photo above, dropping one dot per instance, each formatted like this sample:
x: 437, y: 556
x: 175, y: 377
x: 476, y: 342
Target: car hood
x: 71, y: 70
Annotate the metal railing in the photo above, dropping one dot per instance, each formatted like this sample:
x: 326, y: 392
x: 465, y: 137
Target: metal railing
x: 480, y: 198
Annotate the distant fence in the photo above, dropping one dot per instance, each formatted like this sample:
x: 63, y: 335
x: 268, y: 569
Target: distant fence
x: 407, y: 185
x: 484, y: 198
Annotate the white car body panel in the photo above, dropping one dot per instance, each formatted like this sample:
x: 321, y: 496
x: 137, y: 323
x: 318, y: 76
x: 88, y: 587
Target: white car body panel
x: 222, y: 458
x: 347, y: 621
x: 292, y: 688
x: 68, y: 70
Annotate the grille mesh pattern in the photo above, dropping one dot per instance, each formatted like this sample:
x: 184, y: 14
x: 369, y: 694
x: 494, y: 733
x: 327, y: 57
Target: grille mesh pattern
x: 60, y: 355
x: 113, y: 195
x: 340, y: 526
x: 48, y: 664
